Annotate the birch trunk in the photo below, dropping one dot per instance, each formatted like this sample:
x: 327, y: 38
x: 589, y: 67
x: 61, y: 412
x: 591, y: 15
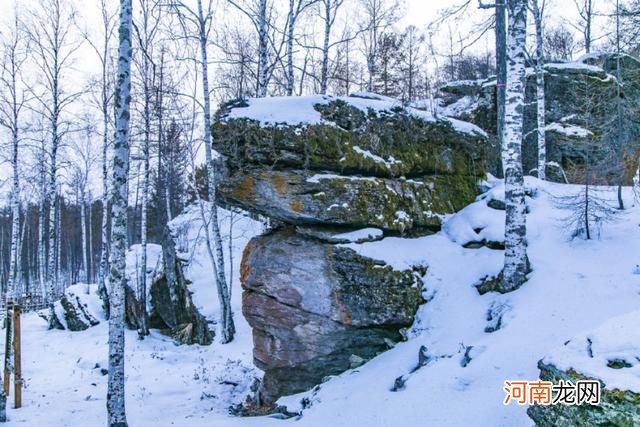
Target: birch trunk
x: 83, y: 224
x: 263, y: 71
x: 42, y: 258
x: 324, y: 77
x: 515, y: 261
x: 142, y: 282
x: 501, y: 67
x: 116, y: 415
x: 290, y: 34
x: 540, y: 96
x: 104, y: 234
x: 226, y: 316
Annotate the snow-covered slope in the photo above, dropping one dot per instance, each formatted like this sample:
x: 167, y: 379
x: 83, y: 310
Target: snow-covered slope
x: 575, y: 286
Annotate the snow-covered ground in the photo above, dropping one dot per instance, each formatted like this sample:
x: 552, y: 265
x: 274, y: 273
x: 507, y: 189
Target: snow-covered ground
x: 575, y: 287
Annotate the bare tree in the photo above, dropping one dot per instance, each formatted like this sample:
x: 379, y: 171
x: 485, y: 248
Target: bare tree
x: 377, y: 15
x: 586, y: 13
x: 53, y: 43
x: 12, y: 101
x: 119, y: 195
x: 102, y: 51
x: 213, y: 237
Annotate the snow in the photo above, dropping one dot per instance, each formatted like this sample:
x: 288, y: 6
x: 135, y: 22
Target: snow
x: 300, y: 111
x: 617, y: 339
x: 569, y: 130
x: 369, y: 155
x: 575, y: 286
x: 578, y: 66
x: 460, y: 228
x: 563, y: 296
x: 320, y: 176
x: 462, y: 106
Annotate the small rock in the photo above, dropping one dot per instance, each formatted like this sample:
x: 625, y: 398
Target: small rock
x: 399, y: 384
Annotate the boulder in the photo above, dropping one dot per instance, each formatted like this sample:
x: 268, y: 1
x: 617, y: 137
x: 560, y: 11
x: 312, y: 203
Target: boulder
x: 296, y: 197
x: 169, y: 302
x: 314, y: 305
x: 617, y: 407
x: 349, y: 140
x: 608, y: 355
x: 75, y: 309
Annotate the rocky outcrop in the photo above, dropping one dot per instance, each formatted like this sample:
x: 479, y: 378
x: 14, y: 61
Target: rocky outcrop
x: 580, y: 102
x: 302, y: 198
x: 608, y: 355
x: 72, y: 311
x: 351, y: 170
x: 616, y: 408
x: 313, y: 306
x: 395, y: 169
x: 170, y: 306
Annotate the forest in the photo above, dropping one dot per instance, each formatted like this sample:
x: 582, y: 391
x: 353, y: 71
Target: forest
x: 283, y: 189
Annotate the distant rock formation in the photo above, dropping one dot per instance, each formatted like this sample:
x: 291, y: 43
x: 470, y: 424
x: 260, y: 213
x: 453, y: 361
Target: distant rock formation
x: 580, y: 101
x: 329, y: 171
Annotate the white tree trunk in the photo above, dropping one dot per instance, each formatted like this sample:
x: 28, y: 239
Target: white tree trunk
x: 83, y: 224
x: 263, y: 45
x: 119, y: 196
x: 540, y: 97
x: 227, y: 327
x: 290, y: 35
x: 328, y: 21
x: 515, y: 239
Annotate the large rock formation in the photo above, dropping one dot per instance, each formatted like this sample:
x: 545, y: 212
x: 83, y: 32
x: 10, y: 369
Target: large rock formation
x: 357, y: 163
x: 325, y: 168
x: 610, y: 355
x: 580, y: 110
x: 314, y: 307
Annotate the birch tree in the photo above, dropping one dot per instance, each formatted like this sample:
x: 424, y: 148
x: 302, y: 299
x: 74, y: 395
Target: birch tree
x: 145, y: 33
x: 515, y: 239
x: 102, y: 51
x: 296, y: 8
x: 116, y: 416
x: 212, y: 237
x: 329, y: 13
x: 540, y: 96
x: 53, y: 43
x: 12, y: 101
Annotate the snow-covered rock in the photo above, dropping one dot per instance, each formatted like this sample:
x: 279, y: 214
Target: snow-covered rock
x: 609, y: 354
x: 77, y: 310
x: 570, y: 89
